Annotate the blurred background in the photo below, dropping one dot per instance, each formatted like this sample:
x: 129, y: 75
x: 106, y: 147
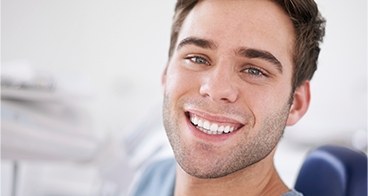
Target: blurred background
x: 81, y: 94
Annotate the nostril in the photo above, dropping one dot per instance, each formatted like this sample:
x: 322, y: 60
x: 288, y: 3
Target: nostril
x: 219, y: 92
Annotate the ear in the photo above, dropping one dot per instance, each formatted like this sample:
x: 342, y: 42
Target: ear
x: 299, y: 107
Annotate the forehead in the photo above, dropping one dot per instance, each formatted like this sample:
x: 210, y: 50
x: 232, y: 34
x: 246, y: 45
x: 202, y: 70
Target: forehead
x: 231, y: 24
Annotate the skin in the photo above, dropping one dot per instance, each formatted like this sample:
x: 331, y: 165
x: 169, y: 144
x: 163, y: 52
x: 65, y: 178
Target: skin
x: 232, y: 65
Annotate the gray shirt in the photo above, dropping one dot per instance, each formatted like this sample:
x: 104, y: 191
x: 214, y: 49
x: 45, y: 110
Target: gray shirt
x: 158, y: 179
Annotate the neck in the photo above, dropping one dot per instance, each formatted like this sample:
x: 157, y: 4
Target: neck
x: 259, y: 179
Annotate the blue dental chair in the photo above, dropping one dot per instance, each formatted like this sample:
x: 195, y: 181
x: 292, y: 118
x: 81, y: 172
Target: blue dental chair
x: 333, y: 171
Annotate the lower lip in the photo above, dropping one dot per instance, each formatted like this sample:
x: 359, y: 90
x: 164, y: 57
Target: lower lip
x: 207, y: 137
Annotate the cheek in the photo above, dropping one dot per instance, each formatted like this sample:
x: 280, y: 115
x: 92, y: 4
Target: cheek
x: 265, y: 101
x: 178, y: 82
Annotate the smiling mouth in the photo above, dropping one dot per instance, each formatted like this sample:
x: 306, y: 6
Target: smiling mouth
x: 212, y: 128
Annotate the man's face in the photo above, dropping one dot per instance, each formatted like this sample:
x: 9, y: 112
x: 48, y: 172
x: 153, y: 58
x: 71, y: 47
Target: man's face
x: 228, y: 86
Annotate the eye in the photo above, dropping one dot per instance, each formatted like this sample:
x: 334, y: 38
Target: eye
x: 198, y: 60
x: 255, y: 72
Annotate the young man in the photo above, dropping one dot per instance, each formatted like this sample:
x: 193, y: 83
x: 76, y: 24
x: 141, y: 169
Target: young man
x: 238, y: 73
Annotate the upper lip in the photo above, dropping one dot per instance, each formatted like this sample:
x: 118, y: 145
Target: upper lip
x: 229, y: 119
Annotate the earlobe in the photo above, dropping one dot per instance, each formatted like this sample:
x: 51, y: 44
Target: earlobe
x: 300, y: 103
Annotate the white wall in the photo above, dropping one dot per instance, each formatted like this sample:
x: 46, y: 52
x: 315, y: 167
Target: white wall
x: 120, y: 46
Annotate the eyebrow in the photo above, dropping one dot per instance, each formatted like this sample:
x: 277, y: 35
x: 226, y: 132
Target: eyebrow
x: 202, y: 43
x: 251, y: 53
x: 261, y: 54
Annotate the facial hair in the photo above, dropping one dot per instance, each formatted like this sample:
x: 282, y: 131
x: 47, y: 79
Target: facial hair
x: 203, y: 160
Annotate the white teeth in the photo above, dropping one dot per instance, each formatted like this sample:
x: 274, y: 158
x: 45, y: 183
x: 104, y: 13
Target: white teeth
x: 200, y: 123
x: 227, y: 129
x: 210, y: 127
x: 206, y: 125
x: 214, y: 127
x: 195, y: 120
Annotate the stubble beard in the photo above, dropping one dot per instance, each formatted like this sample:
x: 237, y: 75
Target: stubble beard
x: 246, y: 153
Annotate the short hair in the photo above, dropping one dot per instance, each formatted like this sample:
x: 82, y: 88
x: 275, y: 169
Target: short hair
x: 308, y: 24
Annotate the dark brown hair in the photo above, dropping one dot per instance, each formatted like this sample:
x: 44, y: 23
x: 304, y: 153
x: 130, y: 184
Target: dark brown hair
x: 309, y: 28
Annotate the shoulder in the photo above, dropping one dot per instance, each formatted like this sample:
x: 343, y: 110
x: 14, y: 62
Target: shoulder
x: 157, y: 178
x: 293, y: 193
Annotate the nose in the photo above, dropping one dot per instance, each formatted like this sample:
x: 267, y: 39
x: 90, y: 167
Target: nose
x: 218, y: 84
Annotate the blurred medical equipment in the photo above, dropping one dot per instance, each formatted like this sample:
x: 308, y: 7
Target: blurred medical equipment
x: 49, y: 142
x: 333, y: 170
